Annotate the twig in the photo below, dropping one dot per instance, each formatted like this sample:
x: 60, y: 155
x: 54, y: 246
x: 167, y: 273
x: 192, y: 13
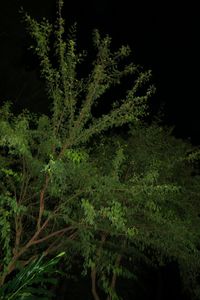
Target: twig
x: 55, y: 233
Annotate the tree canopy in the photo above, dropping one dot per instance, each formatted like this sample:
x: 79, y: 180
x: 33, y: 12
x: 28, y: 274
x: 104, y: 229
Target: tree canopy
x: 67, y: 184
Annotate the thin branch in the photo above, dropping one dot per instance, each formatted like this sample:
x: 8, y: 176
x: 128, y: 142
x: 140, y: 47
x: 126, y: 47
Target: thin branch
x: 55, y: 233
x: 41, y: 209
x: 93, y: 278
x: 94, y: 271
x: 25, y: 187
x: 52, y: 248
x: 24, y: 176
x: 18, y: 233
x: 114, y: 277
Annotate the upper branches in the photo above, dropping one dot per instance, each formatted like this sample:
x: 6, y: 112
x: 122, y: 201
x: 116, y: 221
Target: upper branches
x: 74, y: 97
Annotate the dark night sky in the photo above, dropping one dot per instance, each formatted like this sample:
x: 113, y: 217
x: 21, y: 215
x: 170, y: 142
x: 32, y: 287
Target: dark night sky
x: 163, y: 37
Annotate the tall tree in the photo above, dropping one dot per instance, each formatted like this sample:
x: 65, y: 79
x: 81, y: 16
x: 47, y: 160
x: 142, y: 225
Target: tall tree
x: 66, y: 185
x: 40, y: 164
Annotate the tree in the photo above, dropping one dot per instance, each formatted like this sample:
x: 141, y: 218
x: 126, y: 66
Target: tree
x: 66, y: 185
x: 43, y: 161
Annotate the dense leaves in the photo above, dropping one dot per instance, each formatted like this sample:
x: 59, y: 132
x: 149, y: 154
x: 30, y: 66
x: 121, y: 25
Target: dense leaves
x: 67, y: 183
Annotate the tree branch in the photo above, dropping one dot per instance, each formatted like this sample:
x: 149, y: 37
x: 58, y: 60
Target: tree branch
x: 93, y: 278
x: 93, y: 269
x: 41, y: 209
x: 114, y: 277
x: 55, y: 233
x: 18, y: 232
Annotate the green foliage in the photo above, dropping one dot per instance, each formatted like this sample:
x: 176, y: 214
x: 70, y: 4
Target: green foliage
x: 73, y: 97
x: 8, y: 209
x: 36, y: 273
x: 157, y: 198
x: 65, y: 184
x: 89, y: 212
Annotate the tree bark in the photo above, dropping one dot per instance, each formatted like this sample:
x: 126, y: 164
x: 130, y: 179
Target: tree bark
x: 114, y: 277
x: 93, y: 277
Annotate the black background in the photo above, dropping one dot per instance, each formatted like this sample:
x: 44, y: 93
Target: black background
x: 163, y: 36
